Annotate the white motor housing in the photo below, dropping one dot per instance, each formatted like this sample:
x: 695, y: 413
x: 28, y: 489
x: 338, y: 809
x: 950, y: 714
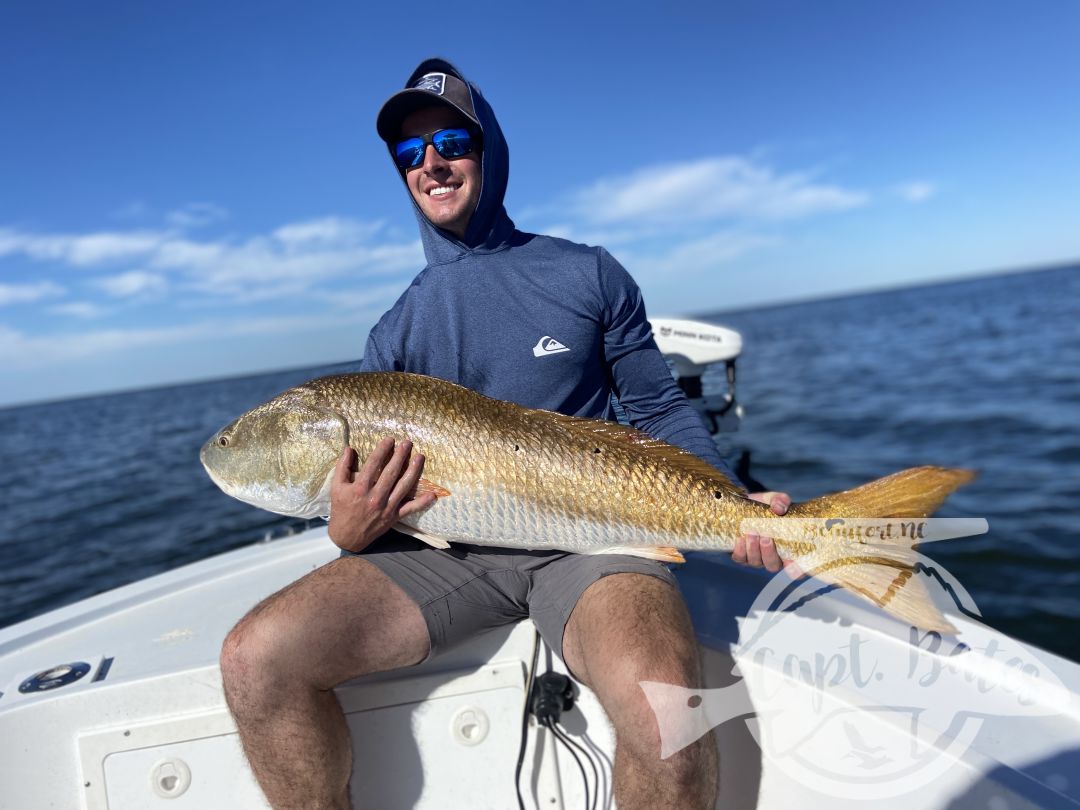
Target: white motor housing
x: 692, y: 346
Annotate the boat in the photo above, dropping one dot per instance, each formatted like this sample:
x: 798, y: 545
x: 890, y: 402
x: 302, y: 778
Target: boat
x: 116, y: 702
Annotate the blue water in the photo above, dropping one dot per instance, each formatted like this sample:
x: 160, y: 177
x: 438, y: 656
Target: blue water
x: 982, y: 373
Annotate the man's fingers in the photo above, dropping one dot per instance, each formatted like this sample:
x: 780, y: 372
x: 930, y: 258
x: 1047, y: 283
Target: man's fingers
x: 344, y: 470
x: 392, y: 471
x: 417, y: 504
x: 738, y: 554
x: 406, y: 481
x: 374, y: 463
x: 769, y: 556
x: 753, y: 550
x: 777, y: 501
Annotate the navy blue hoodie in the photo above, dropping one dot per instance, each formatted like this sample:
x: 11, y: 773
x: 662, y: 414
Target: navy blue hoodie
x: 532, y: 319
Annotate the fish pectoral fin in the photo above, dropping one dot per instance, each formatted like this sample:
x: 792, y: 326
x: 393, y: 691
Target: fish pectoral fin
x: 431, y: 539
x: 668, y: 554
x: 423, y: 485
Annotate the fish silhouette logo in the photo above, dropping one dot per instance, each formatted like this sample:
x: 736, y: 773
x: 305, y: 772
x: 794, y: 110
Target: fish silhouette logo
x: 548, y: 345
x: 853, y: 711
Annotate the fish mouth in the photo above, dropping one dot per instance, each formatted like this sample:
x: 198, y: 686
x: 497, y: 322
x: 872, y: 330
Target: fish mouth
x: 204, y: 459
x: 282, y: 498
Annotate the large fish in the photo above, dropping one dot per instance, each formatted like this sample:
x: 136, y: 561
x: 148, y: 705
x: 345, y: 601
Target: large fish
x: 522, y: 478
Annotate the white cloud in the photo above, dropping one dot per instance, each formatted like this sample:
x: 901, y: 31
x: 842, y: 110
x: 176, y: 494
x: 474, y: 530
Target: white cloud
x: 133, y: 283
x: 196, y: 215
x: 697, y: 255
x: 292, y: 260
x: 325, y: 231
x: 726, y: 187
x: 21, y: 350
x: 80, y: 250
x: 28, y: 293
x: 80, y: 309
x: 183, y: 253
x: 107, y: 247
x: 915, y: 191
x: 263, y: 268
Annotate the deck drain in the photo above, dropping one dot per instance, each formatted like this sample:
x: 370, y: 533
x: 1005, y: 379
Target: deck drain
x: 170, y: 778
x: 469, y: 725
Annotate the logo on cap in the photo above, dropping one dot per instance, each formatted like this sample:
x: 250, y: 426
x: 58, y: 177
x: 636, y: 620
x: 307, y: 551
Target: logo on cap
x: 432, y: 82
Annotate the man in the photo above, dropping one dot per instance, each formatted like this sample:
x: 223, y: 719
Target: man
x: 532, y: 319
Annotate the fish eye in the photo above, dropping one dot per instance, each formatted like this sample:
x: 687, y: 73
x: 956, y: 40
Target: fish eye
x: 223, y: 441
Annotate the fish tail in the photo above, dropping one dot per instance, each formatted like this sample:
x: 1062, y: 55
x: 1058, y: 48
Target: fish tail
x: 883, y: 572
x: 913, y: 493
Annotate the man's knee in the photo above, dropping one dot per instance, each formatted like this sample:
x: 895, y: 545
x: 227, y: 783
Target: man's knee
x: 625, y: 700
x: 268, y: 647
x: 248, y: 653
x: 628, y: 628
x: 341, y: 621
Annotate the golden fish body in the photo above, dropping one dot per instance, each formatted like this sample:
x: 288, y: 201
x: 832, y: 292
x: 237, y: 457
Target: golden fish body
x: 516, y: 477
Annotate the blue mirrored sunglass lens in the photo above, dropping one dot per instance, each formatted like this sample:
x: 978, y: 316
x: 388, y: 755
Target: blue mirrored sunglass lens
x: 409, y: 152
x: 451, y: 143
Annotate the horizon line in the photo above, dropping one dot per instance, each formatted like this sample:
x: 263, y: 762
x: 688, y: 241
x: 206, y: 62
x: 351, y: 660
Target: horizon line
x: 701, y: 315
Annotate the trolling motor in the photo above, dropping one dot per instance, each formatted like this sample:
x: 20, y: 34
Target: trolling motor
x: 691, y: 347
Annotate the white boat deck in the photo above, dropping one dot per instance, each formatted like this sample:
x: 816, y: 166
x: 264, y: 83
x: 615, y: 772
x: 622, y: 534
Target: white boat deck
x: 147, y: 727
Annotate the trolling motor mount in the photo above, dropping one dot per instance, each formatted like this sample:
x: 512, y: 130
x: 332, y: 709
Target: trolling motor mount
x: 692, y: 347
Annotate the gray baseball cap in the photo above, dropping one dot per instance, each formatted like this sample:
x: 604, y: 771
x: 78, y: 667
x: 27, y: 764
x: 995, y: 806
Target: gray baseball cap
x: 435, y: 81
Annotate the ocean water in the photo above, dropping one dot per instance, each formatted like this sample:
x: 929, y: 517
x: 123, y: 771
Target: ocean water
x: 982, y: 373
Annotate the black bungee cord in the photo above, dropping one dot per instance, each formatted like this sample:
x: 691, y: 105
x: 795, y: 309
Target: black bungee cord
x: 553, y: 727
x: 525, y: 719
x: 568, y: 741
x: 547, y: 697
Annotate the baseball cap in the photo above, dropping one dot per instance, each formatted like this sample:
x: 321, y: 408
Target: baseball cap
x: 435, y: 81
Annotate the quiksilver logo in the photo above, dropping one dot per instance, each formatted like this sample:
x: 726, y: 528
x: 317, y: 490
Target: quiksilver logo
x: 548, y: 345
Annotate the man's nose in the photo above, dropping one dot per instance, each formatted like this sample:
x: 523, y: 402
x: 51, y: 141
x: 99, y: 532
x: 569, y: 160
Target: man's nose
x: 433, y: 160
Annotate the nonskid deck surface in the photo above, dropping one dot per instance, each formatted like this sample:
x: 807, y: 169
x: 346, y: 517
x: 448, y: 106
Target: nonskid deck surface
x: 146, y: 726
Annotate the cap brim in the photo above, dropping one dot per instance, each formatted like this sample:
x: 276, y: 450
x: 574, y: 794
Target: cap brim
x: 404, y: 103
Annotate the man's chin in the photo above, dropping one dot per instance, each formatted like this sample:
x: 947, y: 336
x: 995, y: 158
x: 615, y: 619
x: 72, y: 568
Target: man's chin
x: 446, y: 222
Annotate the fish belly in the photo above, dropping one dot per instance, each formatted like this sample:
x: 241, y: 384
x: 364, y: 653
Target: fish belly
x: 495, y: 517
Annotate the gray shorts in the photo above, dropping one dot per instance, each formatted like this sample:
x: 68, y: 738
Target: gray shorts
x: 465, y: 589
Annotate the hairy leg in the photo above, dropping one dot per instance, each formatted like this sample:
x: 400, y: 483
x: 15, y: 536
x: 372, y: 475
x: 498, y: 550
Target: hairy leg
x: 281, y: 662
x: 628, y: 628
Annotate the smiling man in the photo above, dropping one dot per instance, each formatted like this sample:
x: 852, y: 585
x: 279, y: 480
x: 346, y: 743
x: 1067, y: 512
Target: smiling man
x: 446, y: 190
x: 532, y: 319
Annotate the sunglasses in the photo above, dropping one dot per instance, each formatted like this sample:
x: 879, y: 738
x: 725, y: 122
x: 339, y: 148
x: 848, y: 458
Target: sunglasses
x: 453, y: 142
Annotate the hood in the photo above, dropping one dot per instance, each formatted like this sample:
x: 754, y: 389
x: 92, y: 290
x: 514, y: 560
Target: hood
x: 490, y: 228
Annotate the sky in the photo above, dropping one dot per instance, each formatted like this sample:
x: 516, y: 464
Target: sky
x: 196, y: 190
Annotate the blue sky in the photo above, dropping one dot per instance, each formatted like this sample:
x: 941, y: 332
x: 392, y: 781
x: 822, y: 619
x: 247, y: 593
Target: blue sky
x: 196, y: 190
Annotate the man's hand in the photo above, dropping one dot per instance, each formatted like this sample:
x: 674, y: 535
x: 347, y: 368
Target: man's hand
x: 365, y: 502
x: 757, y: 551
